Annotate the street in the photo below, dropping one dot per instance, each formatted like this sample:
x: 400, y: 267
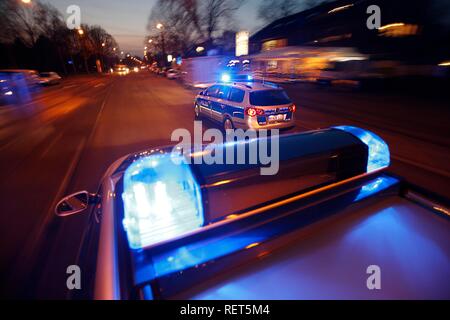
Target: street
x: 65, y: 139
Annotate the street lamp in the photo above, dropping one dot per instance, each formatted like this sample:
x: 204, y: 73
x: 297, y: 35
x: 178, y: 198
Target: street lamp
x: 160, y: 26
x: 80, y: 32
x: 103, y: 44
x: 150, y: 40
x: 26, y: 1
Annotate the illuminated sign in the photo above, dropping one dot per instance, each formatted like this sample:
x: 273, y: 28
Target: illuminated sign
x: 242, y: 43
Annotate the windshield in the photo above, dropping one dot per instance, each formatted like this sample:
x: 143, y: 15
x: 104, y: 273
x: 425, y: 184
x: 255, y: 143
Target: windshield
x: 269, y: 98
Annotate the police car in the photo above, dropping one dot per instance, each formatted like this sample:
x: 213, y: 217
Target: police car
x: 246, y: 105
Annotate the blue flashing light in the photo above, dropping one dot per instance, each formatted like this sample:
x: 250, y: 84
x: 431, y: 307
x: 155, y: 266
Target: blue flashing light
x: 379, y: 156
x: 162, y: 200
x: 191, y: 255
x: 225, y: 77
x: 375, y: 186
x: 249, y: 78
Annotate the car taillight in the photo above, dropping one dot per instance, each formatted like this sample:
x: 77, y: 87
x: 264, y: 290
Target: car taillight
x: 292, y: 108
x: 254, y: 112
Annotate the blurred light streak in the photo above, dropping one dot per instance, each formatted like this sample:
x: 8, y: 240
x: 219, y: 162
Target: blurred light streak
x: 341, y: 8
x: 252, y: 245
x: 391, y: 25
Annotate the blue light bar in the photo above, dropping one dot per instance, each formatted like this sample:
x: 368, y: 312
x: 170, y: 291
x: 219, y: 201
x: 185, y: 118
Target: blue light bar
x: 249, y: 78
x: 162, y: 200
x: 202, y: 251
x: 379, y: 156
x: 380, y: 184
x: 225, y: 77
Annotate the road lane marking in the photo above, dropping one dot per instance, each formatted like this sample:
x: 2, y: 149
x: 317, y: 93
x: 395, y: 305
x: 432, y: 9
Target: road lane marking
x: 34, y: 243
x: 50, y: 145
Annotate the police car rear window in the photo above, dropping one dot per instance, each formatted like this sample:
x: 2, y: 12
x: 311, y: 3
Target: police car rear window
x: 212, y: 91
x: 237, y: 95
x: 223, y: 92
x: 269, y: 98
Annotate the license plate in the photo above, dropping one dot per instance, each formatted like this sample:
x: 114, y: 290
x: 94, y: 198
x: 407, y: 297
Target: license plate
x: 277, y: 117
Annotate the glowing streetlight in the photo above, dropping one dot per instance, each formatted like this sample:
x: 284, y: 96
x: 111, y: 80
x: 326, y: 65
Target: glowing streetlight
x: 80, y: 32
x: 121, y: 52
x: 150, y: 40
x: 114, y: 49
x: 145, y: 48
x: 103, y: 44
x: 26, y: 1
x: 159, y: 26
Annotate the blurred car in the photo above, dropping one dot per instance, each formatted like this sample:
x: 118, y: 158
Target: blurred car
x: 7, y: 92
x: 121, y: 69
x: 172, y: 74
x: 16, y: 85
x: 250, y: 105
x: 162, y: 71
x: 49, y: 78
x: 30, y: 77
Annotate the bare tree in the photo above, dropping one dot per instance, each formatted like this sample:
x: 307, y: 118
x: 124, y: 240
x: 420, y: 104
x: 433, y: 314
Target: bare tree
x: 101, y: 42
x: 216, y: 13
x: 271, y: 10
x: 187, y: 22
x: 27, y: 22
x: 180, y: 25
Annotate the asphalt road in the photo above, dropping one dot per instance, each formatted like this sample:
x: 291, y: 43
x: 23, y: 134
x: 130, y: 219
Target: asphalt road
x: 68, y: 136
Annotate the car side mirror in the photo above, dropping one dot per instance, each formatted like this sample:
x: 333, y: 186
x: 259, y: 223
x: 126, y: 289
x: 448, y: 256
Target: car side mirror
x: 74, y: 203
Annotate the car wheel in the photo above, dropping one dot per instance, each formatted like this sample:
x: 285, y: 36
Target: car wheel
x: 227, y: 124
x: 197, y: 111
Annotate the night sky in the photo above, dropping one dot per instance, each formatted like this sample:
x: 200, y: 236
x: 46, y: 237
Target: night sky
x: 127, y: 20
